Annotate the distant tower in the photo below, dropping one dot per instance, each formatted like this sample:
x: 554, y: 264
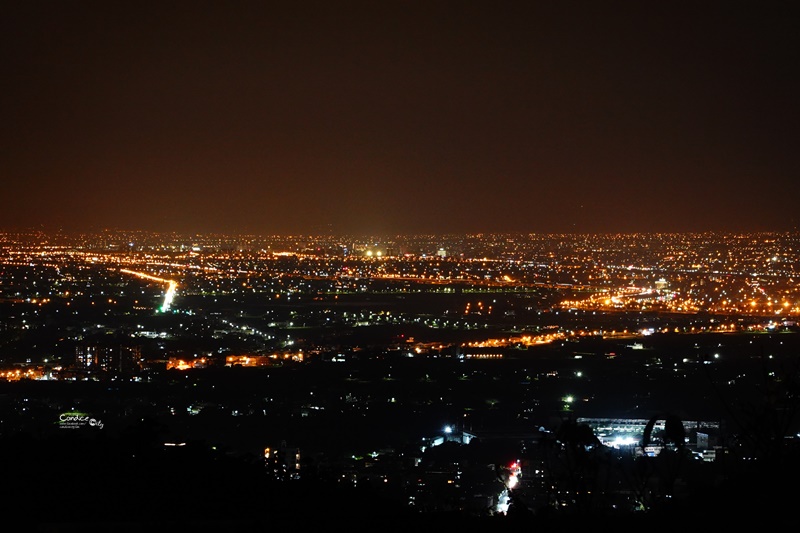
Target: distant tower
x: 86, y: 357
x: 130, y: 359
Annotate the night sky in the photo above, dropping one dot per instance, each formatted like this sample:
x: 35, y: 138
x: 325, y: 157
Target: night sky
x: 390, y: 117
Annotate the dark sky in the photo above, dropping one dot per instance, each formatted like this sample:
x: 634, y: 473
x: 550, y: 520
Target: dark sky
x: 388, y: 117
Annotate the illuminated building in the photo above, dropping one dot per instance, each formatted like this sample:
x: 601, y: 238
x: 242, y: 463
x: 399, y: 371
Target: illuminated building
x: 86, y: 357
x: 283, y: 462
x: 247, y: 360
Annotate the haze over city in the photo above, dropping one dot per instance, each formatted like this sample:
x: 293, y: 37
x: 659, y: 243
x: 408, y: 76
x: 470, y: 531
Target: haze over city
x: 399, y: 117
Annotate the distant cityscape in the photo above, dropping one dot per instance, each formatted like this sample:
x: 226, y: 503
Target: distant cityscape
x: 480, y: 375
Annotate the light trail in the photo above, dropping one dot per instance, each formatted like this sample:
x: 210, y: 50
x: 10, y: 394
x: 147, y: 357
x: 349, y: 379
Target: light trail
x: 171, y: 289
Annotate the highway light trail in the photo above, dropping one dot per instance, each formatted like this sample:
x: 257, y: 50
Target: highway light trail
x: 168, y: 296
